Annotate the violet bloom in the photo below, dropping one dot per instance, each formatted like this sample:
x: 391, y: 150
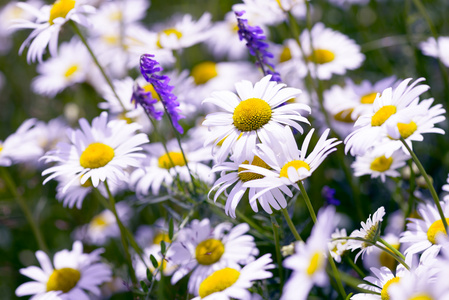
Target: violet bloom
x: 329, y: 195
x: 150, y: 69
x: 254, y: 37
x: 146, y: 101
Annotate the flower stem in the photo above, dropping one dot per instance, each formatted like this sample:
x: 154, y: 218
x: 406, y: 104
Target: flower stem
x: 307, y: 200
x: 411, y: 196
x: 391, y: 248
x: 429, y: 183
x: 290, y: 224
x: 278, y: 250
x: 26, y: 210
x: 355, y: 267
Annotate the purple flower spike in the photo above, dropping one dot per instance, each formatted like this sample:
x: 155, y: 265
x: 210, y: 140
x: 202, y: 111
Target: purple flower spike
x: 150, y: 69
x: 146, y: 101
x: 329, y: 195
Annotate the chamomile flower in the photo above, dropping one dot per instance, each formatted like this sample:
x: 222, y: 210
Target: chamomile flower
x: 99, y: 152
x: 369, y: 231
x: 203, y: 249
x: 73, y: 275
x: 338, y: 246
x: 233, y: 283
x: 46, y: 27
x: 436, y: 48
x: 256, y: 112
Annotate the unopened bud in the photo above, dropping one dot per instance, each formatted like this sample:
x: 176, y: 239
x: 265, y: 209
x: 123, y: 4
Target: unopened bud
x: 421, y: 182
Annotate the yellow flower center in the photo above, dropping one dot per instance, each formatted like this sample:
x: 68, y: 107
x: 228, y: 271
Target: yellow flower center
x: 111, y: 39
x: 407, y: 129
x: 168, y: 31
x: 99, y: 222
x: 1, y: 148
x: 170, y: 160
x: 321, y: 56
x: 70, y: 71
x: 218, y: 281
x: 421, y: 297
x: 368, y: 98
x: 161, y: 236
x: 435, y: 230
x: 60, y: 9
x: 381, y: 164
x: 116, y: 16
x: 382, y: 115
x: 87, y: 183
x: 387, y: 260
x: 96, y: 155
x: 251, y: 114
x: 150, y: 88
x: 316, y: 263
x: 297, y: 164
x: 63, y: 280
x: 204, y: 72
x: 384, y: 293
x: 209, y: 251
x: 122, y: 116
x: 344, y: 116
x: 285, y: 55
x: 248, y: 176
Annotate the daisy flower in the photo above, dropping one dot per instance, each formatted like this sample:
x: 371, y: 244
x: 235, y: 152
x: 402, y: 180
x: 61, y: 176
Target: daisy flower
x: 255, y: 112
x: 99, y: 152
x: 231, y: 283
x: 46, y: 27
x: 333, y: 52
x: 369, y: 231
x: 73, y: 275
x: 339, y: 246
x: 438, y: 49
x: 203, y: 249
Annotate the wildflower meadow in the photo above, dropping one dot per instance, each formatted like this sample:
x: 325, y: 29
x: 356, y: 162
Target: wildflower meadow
x: 241, y: 149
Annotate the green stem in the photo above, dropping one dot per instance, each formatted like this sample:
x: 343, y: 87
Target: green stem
x: 278, y: 250
x: 354, y: 283
x: 355, y: 267
x: 429, y: 183
x: 307, y: 200
x: 291, y: 225
x: 391, y: 248
x: 23, y: 205
x: 411, y: 196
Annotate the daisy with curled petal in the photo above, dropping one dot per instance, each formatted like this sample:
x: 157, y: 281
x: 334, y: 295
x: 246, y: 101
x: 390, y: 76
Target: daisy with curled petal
x: 49, y: 20
x: 203, y: 249
x: 369, y: 231
x: 256, y: 112
x: 436, y: 48
x: 99, y: 152
x: 74, y: 275
x: 233, y: 283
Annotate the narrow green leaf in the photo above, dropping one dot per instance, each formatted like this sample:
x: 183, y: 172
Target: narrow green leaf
x: 163, y: 247
x: 144, y: 286
x: 149, y: 275
x: 153, y: 261
x: 170, y: 229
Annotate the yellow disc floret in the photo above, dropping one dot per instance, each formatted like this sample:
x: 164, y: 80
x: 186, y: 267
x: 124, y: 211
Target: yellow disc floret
x: 247, y: 176
x: 218, y: 281
x: 382, y: 115
x: 344, y: 116
x: 99, y: 222
x: 70, y: 71
x: 204, y: 72
x: 161, y: 236
x: 381, y: 164
x: 368, y: 98
x: 407, y: 129
x: 421, y: 297
x: 96, y: 155
x: 321, y: 56
x: 435, y: 230
x: 209, y: 251
x: 168, y: 31
x: 316, y: 263
x: 149, y: 88
x: 63, y: 280
x: 387, y: 260
x: 251, y: 114
x: 285, y: 55
x: 297, y: 164
x: 384, y: 293
x: 170, y: 160
x: 60, y: 9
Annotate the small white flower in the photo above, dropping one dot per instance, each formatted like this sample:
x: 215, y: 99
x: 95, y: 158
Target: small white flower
x: 437, y: 49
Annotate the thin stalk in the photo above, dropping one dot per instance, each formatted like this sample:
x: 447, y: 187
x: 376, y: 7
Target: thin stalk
x: 278, y: 250
x: 355, y: 267
x: 291, y: 225
x: 307, y: 200
x: 429, y: 183
x: 354, y: 283
x: 26, y: 210
x: 411, y: 196
x: 391, y: 248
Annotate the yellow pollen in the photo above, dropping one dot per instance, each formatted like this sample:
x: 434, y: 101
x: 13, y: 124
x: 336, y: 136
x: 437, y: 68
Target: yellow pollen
x: 170, y: 160
x: 63, y: 280
x: 321, y: 56
x: 384, y: 293
x: 111, y: 39
x: 368, y: 98
x: 382, y: 115
x: 99, y: 222
x: 122, y: 116
x: 60, y: 9
x: 387, y: 260
x: 161, y: 236
x: 407, y: 129
x: 168, y: 31
x: 86, y: 184
x: 421, y: 297
x: 297, y: 164
x: 344, y: 116
x: 381, y: 164
x: 248, y: 176
x: 315, y: 263
x: 218, y: 281
x: 150, y: 88
x: 96, y: 155
x: 251, y: 114
x: 204, y: 72
x: 116, y: 16
x: 435, y: 230
x: 70, y: 71
x: 285, y: 55
x: 209, y: 251
x: 1, y: 148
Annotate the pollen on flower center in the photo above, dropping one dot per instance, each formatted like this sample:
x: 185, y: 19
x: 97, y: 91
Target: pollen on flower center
x: 204, y: 72
x: 435, y: 230
x: 96, y: 155
x: 315, y: 263
x: 99, y: 222
x: 344, y: 116
x: 248, y: 176
x: 285, y: 55
x: 297, y: 164
x: 384, y: 293
x: 421, y: 297
x: 251, y: 114
x: 63, y: 280
x: 168, y: 31
x: 382, y: 115
x: 161, y: 236
x: 209, y: 251
x: 60, y: 9
x: 170, y: 160
x: 149, y: 88
x: 70, y: 71
x: 381, y: 164
x: 321, y: 56
x: 368, y: 98
x: 407, y: 129
x: 218, y: 281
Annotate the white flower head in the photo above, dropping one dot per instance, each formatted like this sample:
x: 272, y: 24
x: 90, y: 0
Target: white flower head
x: 437, y: 48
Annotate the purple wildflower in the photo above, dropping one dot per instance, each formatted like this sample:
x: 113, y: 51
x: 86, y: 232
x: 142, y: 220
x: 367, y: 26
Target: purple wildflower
x: 150, y: 69
x: 328, y: 194
x: 146, y: 101
x: 254, y: 37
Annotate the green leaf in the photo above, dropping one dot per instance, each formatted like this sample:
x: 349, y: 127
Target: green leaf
x: 149, y: 275
x: 163, y: 247
x: 170, y: 229
x: 154, y: 261
x: 144, y: 286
